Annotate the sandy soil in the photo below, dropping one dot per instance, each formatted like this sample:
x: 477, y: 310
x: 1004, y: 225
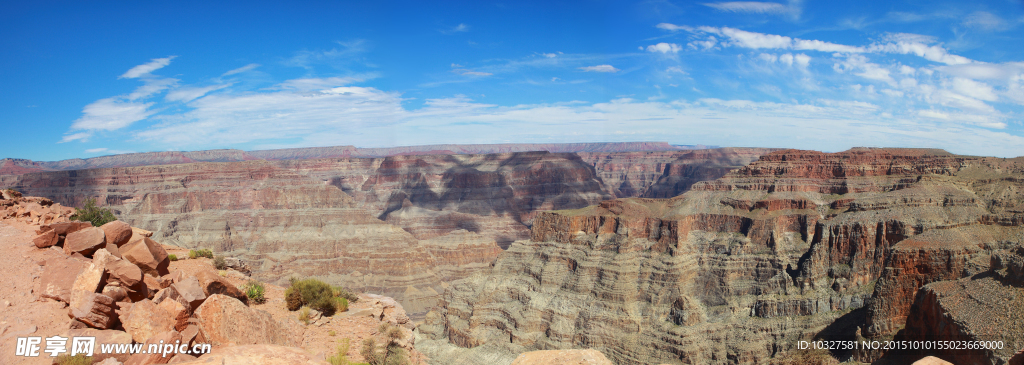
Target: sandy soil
x: 22, y: 313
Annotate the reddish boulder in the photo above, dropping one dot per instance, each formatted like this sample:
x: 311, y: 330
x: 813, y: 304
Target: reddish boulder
x: 59, y: 276
x: 46, y: 239
x: 179, y: 313
x: 211, y: 283
x: 124, y: 272
x: 117, y: 293
x: 146, y: 319
x: 190, y: 291
x: 85, y: 241
x: 95, y: 310
x: 117, y: 232
x: 225, y: 321
x: 148, y: 256
x: 66, y: 228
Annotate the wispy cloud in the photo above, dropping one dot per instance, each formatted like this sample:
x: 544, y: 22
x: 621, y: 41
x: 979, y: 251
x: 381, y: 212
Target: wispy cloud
x: 146, y: 68
x: 793, y: 8
x: 189, y: 93
x: 749, y: 7
x: 985, y: 21
x: 461, y: 28
x: 347, y: 53
x: 600, y: 68
x: 106, y: 150
x: 249, y: 67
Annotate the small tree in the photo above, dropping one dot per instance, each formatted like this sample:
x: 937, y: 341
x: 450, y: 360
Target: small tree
x: 93, y: 214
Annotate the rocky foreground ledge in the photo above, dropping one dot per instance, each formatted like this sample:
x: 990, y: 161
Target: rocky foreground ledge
x: 114, y: 283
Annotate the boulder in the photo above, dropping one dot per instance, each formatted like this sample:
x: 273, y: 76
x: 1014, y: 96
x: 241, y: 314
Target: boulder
x: 124, y: 272
x: 95, y: 310
x: 166, y: 343
x: 141, y: 232
x: 59, y: 276
x: 176, y: 276
x: 147, y: 255
x: 226, y: 321
x: 112, y: 248
x: 65, y: 228
x: 90, y: 280
x: 179, y: 313
x: 146, y: 319
x: 85, y: 241
x: 117, y: 232
x: 46, y: 239
x: 103, y: 336
x: 190, y: 291
x: 115, y: 292
x: 258, y: 355
x: 211, y: 283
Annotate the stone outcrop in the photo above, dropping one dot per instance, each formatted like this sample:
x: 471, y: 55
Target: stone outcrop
x: 798, y: 245
x: 226, y: 321
x: 983, y: 308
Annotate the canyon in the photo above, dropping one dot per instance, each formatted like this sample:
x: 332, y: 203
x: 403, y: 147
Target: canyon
x: 867, y: 244
x: 403, y: 226
x: 716, y: 256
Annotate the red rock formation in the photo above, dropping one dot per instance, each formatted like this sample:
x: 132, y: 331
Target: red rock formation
x: 793, y: 244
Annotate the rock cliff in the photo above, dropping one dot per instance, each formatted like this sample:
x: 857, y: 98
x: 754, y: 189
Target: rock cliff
x: 799, y: 245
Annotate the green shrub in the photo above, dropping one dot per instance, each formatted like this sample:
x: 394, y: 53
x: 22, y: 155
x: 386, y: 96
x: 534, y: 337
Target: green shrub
x: 332, y: 333
x: 93, y: 214
x: 74, y: 360
x: 172, y: 257
x: 255, y: 291
x: 341, y: 304
x: 192, y: 254
x: 218, y: 262
x: 313, y: 293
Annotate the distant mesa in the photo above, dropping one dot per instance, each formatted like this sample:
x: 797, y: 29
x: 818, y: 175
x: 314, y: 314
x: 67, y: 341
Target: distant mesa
x: 11, y: 166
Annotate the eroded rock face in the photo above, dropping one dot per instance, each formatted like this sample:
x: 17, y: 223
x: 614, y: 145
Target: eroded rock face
x: 553, y: 357
x: 736, y: 270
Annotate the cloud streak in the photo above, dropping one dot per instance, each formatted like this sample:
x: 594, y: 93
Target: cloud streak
x: 146, y: 68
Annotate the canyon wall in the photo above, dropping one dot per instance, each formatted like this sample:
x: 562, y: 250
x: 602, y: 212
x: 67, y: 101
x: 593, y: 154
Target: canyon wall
x: 402, y: 226
x: 799, y: 245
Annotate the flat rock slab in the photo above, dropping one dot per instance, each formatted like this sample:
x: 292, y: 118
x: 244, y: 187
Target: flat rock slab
x: 59, y: 276
x: 146, y: 319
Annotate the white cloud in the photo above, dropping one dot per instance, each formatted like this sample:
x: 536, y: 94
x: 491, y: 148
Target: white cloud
x: 549, y: 55
x: 664, y: 48
x: 152, y: 86
x: 111, y: 114
x: 83, y: 136
x: 600, y: 68
x: 673, y: 28
x: 242, y: 69
x: 189, y: 93
x: 749, y: 7
x: 860, y: 66
x: 932, y: 53
x: 146, y: 68
x: 317, y: 84
x: 974, y: 89
x: 95, y: 150
x: 802, y: 60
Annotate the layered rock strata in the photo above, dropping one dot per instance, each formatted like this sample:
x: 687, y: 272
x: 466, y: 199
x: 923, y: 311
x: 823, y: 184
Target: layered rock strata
x: 796, y: 246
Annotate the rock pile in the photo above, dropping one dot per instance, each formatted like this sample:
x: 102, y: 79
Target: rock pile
x: 116, y: 283
x: 35, y: 210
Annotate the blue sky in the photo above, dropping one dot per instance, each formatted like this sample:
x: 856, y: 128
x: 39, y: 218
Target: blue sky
x: 98, y: 78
